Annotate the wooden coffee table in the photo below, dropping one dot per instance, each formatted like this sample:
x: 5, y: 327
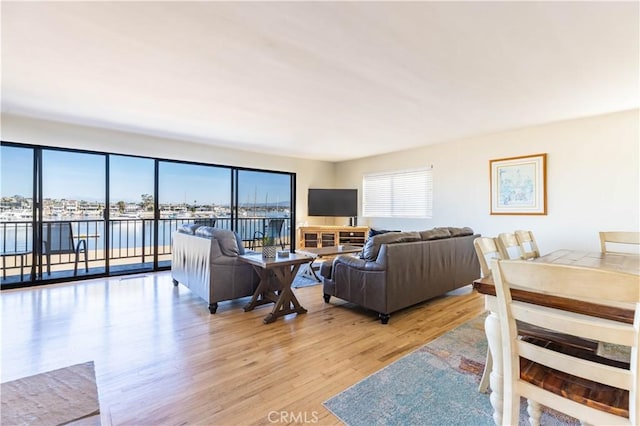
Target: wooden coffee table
x: 284, y: 269
x: 318, y: 253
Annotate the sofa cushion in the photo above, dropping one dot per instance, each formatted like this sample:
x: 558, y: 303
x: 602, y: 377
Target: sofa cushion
x: 435, y: 234
x: 372, y: 247
x: 226, y: 239
x: 188, y: 228
x: 460, y: 232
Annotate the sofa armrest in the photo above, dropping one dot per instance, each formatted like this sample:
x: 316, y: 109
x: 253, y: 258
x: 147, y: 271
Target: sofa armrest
x: 325, y: 268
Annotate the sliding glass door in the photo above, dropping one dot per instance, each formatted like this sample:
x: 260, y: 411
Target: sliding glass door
x: 131, y: 214
x: 191, y: 193
x: 67, y: 214
x: 16, y: 214
x: 264, y: 207
x: 73, y: 210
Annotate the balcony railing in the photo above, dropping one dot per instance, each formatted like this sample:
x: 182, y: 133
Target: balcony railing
x: 131, y: 243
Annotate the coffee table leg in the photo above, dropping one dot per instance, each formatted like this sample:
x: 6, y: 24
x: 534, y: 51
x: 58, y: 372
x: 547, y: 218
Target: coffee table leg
x: 260, y: 296
x: 287, y: 302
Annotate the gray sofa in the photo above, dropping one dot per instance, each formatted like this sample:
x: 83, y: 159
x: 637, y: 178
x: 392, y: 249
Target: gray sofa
x: 400, y: 269
x: 205, y: 259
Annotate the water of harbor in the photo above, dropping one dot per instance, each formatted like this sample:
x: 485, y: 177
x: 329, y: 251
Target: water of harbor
x: 124, y: 233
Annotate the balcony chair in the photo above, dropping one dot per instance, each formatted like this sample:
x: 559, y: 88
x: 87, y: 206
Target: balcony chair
x: 527, y: 243
x: 618, y: 238
x: 273, y: 230
x: 593, y: 390
x: 58, y: 239
x: 207, y: 221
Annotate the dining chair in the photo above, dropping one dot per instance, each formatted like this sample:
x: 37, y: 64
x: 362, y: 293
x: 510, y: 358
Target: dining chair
x: 618, y: 237
x: 508, y: 246
x: 527, y: 243
x: 591, y: 391
x: 58, y: 239
x: 486, y: 249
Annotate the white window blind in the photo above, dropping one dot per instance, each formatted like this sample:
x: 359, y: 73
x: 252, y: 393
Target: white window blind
x: 404, y: 193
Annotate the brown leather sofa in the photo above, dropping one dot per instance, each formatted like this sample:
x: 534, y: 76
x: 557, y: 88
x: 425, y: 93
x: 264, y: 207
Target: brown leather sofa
x: 205, y: 259
x: 400, y: 269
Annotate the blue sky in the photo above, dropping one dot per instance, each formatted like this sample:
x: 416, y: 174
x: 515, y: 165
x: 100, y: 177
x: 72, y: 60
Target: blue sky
x: 81, y: 176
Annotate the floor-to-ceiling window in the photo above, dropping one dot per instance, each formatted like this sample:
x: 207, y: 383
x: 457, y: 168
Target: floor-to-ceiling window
x: 73, y: 203
x: 131, y: 213
x: 16, y: 214
x: 264, y: 207
x: 190, y: 192
x: 69, y: 214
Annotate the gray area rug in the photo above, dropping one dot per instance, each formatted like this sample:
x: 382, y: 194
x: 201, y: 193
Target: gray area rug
x: 434, y: 385
x: 65, y: 396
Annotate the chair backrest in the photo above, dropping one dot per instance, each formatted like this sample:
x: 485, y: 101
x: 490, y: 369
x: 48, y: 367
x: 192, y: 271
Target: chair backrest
x: 618, y: 237
x: 274, y: 228
x: 527, y: 243
x: 508, y: 246
x: 608, y: 288
x: 58, y: 238
x: 205, y: 221
x: 486, y: 250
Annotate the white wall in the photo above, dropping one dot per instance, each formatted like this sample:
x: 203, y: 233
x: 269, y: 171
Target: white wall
x: 593, y: 177
x: 309, y: 173
x: 593, y: 180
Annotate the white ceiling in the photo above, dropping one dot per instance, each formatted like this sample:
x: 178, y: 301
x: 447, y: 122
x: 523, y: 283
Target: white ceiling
x: 324, y: 80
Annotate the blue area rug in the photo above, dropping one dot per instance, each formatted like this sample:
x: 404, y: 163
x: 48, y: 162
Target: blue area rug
x: 434, y: 385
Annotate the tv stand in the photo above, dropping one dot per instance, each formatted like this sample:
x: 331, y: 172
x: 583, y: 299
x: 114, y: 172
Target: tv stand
x: 330, y: 236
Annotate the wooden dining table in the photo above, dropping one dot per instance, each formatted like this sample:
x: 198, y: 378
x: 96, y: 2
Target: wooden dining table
x: 620, y: 262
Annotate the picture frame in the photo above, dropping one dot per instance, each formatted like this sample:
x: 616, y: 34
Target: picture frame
x: 519, y: 185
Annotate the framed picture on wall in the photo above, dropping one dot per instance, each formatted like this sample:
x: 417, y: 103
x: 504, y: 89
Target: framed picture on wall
x: 519, y: 185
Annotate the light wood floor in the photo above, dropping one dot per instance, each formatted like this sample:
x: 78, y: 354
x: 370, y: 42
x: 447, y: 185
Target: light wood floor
x: 161, y: 358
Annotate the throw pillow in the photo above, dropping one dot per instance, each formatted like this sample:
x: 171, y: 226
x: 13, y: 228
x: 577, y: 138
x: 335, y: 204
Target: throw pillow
x: 373, y: 232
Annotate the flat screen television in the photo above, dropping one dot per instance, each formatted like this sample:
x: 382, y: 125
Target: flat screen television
x: 333, y: 202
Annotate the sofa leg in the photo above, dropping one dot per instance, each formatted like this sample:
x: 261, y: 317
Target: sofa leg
x: 384, y: 318
x: 213, y: 307
x: 327, y: 297
x: 175, y: 283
